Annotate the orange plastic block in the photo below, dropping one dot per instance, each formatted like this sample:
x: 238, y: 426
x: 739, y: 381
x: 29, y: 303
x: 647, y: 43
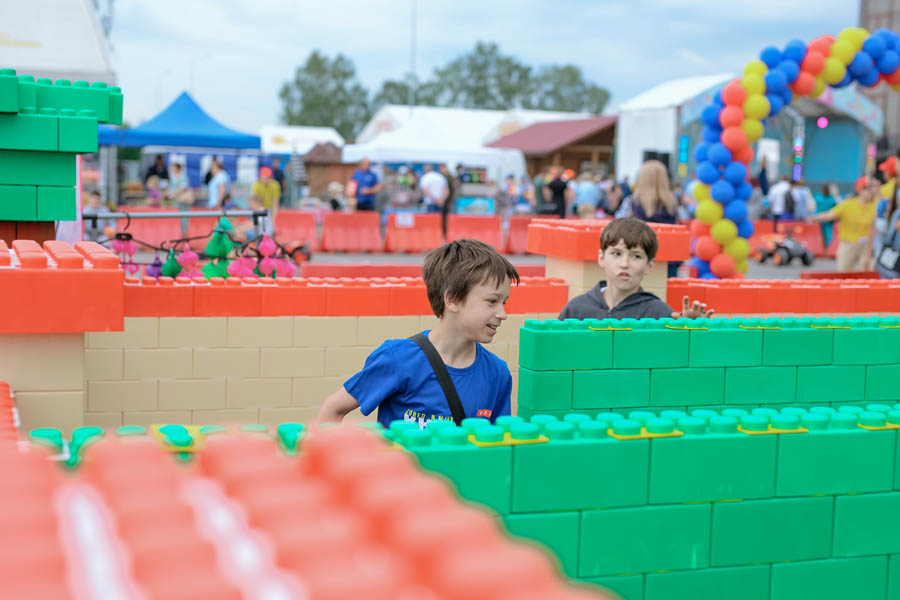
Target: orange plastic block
x: 517, y: 234
x: 575, y: 239
x: 409, y: 297
x: 537, y: 295
x: 352, y: 232
x: 292, y: 297
x: 488, y: 229
x: 5, y: 259
x: 353, y: 297
x: 413, y: 232
x: 230, y: 297
x: 149, y: 297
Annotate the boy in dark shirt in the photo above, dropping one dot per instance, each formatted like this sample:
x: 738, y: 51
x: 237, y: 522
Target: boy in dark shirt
x: 627, y: 249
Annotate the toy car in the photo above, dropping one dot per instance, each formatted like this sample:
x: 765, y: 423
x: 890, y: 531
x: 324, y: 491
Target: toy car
x: 782, y: 248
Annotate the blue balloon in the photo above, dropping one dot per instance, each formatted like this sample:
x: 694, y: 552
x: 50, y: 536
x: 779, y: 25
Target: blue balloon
x: 847, y: 80
x: 702, y: 266
x: 717, y: 97
x: 722, y: 191
x: 771, y: 56
x: 790, y: 69
x: 888, y: 36
x: 787, y: 96
x: 862, y: 64
x: 874, y: 46
x: 745, y: 229
x: 775, y: 80
x: 701, y: 151
x: 870, y: 79
x: 707, y: 172
x: 776, y: 103
x: 719, y: 155
x: 712, y: 134
x: 743, y: 191
x: 709, y: 276
x: 889, y: 62
x: 795, y: 50
x: 735, y: 173
x: 710, y: 115
x: 736, y: 211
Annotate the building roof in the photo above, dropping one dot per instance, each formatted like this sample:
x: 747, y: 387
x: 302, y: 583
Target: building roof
x: 293, y: 139
x: 544, y: 138
x: 323, y: 153
x: 674, y: 93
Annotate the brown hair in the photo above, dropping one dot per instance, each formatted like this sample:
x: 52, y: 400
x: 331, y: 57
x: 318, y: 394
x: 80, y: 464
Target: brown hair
x: 457, y: 267
x: 652, y: 189
x: 634, y: 232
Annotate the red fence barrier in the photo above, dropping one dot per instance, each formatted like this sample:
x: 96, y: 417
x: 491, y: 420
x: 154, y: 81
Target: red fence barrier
x: 352, y: 232
x: 411, y: 232
x: 485, y: 228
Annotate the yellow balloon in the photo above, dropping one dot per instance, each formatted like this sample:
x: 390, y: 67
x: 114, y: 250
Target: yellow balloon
x: 753, y: 128
x: 756, y: 67
x: 834, y: 70
x: 843, y: 51
x: 738, y: 249
x: 754, y: 84
x: 757, y: 106
x: 740, y: 265
x: 819, y: 88
x: 709, y: 212
x: 701, y: 192
x: 855, y: 36
x: 724, y: 231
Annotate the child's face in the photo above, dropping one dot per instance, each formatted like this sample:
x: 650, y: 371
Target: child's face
x: 625, y: 267
x: 481, y: 313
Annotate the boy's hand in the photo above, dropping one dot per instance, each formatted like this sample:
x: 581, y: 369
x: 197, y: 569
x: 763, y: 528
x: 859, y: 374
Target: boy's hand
x: 692, y: 311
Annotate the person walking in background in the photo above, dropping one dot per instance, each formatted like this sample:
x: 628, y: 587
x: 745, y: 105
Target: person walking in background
x: 452, y: 186
x: 558, y: 190
x: 856, y: 217
x: 158, y: 168
x: 587, y: 196
x: 827, y: 199
x: 366, y: 185
x: 763, y: 177
x: 539, y: 182
x: 653, y: 201
x: 780, y: 205
x: 181, y: 193
x: 434, y: 190
x: 218, y: 191
x: 277, y: 173
x: 266, y: 194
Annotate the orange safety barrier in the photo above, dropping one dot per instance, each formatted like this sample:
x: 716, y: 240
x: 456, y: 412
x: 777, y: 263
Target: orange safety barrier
x: 517, y: 233
x: 488, y: 229
x: 580, y: 239
x: 297, y: 226
x: 314, y: 269
x: 56, y: 288
x: 351, y: 232
x: 839, y: 275
x: 413, y: 232
x: 150, y: 231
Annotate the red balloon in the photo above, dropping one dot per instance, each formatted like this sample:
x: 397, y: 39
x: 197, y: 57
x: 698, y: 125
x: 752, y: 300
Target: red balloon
x: 744, y: 155
x: 734, y: 93
x: 699, y: 229
x: 707, y: 248
x: 734, y: 138
x: 893, y: 78
x: 821, y: 44
x: 721, y: 265
x: 813, y: 63
x: 731, y: 116
x: 737, y: 275
x: 804, y: 84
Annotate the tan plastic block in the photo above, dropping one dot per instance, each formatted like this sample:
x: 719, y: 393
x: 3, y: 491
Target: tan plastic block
x: 427, y: 322
x: 574, y: 291
x: 374, y: 330
x: 295, y: 414
x: 121, y: 395
x: 578, y: 273
x: 64, y: 410
x: 545, y: 316
x: 501, y: 350
x: 312, y: 391
x: 325, y: 331
x: 226, y: 416
x: 345, y: 361
x: 139, y: 332
x: 103, y: 364
x: 192, y: 332
x: 254, y: 393
x: 509, y: 329
x: 513, y: 360
x: 260, y: 331
x: 193, y: 394
x: 226, y: 362
x: 108, y: 421
x: 292, y: 362
x: 169, y: 363
x: 42, y: 362
x: 514, y: 397
x: 157, y: 417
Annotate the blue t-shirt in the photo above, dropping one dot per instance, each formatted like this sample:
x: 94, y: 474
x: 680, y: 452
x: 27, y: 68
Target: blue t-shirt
x: 364, y: 179
x: 398, y: 380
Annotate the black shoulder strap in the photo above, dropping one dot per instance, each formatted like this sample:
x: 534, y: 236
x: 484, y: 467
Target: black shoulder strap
x: 443, y: 377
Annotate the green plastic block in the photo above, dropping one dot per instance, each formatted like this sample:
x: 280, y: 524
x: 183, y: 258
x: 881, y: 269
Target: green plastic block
x: 649, y: 345
x: 628, y: 587
x: 55, y: 203
x: 769, y: 385
x: 883, y: 382
x: 831, y: 384
x: 18, y: 203
x: 687, y: 387
x: 558, y: 532
x: 115, y: 105
x: 759, y: 531
x: 27, y: 92
x: 545, y: 390
x: 29, y: 131
x: 835, y: 462
x: 645, y: 539
x: 796, y: 343
x: 709, y: 467
x: 830, y: 579
x: 865, y: 343
x: 75, y: 96
x: 742, y: 583
x: 610, y: 388
x: 565, y: 345
x: 9, y: 91
x: 867, y: 524
x: 77, y: 131
x: 724, y: 344
x: 22, y: 167
x: 893, y: 591
x: 578, y: 472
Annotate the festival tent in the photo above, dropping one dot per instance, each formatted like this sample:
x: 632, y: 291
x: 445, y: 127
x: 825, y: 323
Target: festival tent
x: 292, y: 139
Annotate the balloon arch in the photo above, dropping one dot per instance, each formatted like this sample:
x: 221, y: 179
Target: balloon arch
x: 736, y: 120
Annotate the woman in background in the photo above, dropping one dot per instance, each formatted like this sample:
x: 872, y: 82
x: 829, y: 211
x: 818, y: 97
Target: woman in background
x: 827, y: 199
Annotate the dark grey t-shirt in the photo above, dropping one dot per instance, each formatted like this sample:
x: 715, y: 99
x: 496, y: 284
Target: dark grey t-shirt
x: 591, y: 305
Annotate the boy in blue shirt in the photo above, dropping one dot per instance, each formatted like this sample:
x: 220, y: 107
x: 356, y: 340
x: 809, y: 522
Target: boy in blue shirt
x: 468, y: 285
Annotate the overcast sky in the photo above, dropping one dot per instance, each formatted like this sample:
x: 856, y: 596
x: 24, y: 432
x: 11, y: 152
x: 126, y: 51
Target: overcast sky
x: 243, y: 50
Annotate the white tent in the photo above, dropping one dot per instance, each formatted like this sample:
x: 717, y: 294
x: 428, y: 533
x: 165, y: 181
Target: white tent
x: 59, y: 39
x: 288, y: 139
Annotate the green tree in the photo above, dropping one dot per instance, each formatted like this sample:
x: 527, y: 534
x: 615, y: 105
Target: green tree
x: 397, y: 92
x: 325, y: 92
x: 483, y: 78
x: 564, y: 88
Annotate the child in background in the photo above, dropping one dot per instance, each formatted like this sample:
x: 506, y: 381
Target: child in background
x: 93, y: 206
